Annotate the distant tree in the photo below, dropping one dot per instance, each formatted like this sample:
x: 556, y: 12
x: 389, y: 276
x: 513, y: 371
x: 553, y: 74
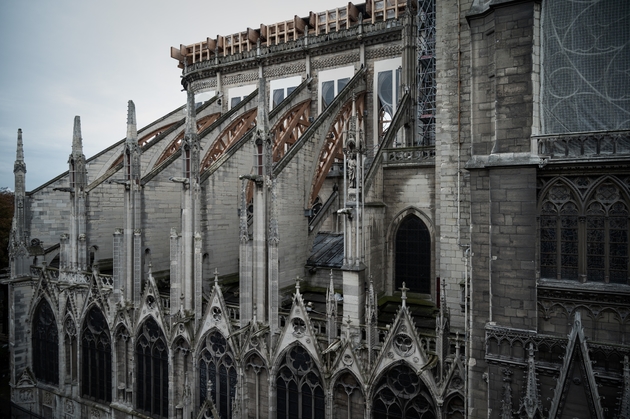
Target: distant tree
x: 6, y: 218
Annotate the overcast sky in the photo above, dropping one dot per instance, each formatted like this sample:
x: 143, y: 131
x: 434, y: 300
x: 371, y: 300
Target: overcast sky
x: 85, y: 57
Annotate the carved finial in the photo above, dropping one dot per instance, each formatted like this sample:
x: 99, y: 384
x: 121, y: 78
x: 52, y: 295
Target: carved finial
x: 506, y: 402
x: 403, y: 296
x: 216, y: 277
x: 297, y: 284
x: 531, y: 402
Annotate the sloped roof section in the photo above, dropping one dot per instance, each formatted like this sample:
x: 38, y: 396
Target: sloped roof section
x: 327, y: 250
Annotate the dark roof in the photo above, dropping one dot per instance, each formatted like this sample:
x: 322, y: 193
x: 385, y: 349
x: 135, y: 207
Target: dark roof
x: 327, y: 251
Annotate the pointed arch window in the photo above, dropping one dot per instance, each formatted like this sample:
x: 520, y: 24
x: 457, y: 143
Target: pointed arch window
x: 387, y: 76
x: 584, y: 239
x: 45, y: 344
x: 348, y: 398
x: 413, y: 255
x: 257, y: 383
x: 401, y: 394
x: 299, y: 392
x: 216, y: 365
x: 96, y: 361
x: 152, y: 370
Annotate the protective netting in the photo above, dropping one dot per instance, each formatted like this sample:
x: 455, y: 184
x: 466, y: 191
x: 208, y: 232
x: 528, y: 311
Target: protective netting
x: 585, y: 65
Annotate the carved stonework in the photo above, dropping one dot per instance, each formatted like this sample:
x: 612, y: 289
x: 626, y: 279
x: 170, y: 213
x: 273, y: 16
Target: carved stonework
x: 240, y: 78
x: 25, y: 395
x: 205, y: 84
x: 384, y: 52
x: 69, y: 407
x: 506, y: 401
x: 48, y: 399
x: 334, y: 61
x: 285, y: 70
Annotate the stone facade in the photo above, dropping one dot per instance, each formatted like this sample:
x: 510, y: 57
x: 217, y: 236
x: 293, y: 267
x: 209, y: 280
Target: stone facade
x: 367, y: 218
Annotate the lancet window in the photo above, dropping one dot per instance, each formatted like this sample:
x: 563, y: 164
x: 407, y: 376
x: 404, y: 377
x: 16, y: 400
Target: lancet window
x: 216, y: 366
x: 332, y: 83
x: 96, y: 361
x: 401, y: 394
x: 45, y: 344
x: 299, y: 392
x: 282, y: 88
x: 387, y: 82
x: 584, y: 239
x: 152, y: 370
x: 70, y: 347
x: 348, y: 398
x: 257, y: 386
x: 454, y: 407
x: 413, y: 255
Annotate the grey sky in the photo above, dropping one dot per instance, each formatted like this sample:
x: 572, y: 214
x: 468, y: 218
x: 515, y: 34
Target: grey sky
x: 64, y: 58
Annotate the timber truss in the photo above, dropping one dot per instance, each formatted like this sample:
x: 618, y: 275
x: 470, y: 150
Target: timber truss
x: 228, y: 137
x: 202, y: 123
x: 333, y: 143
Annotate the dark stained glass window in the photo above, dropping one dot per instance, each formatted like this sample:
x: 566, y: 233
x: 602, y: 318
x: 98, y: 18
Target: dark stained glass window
x: 584, y: 238
x: 216, y: 365
x: 96, y: 362
x: 299, y: 393
x: 401, y: 394
x: 348, y: 398
x: 45, y: 344
x: 152, y: 370
x: 413, y: 255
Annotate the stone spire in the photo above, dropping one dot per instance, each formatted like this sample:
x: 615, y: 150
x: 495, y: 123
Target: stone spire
x: 371, y: 318
x: 331, y: 311
x: 19, y: 172
x: 506, y: 401
x: 17, y: 242
x: 19, y: 165
x: 73, y: 251
x: 132, y: 131
x: 442, y: 332
x: 78, y: 175
x: 531, y: 401
x: 262, y: 115
x: 77, y: 140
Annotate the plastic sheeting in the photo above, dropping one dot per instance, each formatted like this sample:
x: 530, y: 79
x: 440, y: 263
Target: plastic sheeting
x: 585, y: 65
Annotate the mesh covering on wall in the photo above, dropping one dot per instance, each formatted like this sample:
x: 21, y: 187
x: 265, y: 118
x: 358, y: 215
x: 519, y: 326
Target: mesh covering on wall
x: 586, y: 65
